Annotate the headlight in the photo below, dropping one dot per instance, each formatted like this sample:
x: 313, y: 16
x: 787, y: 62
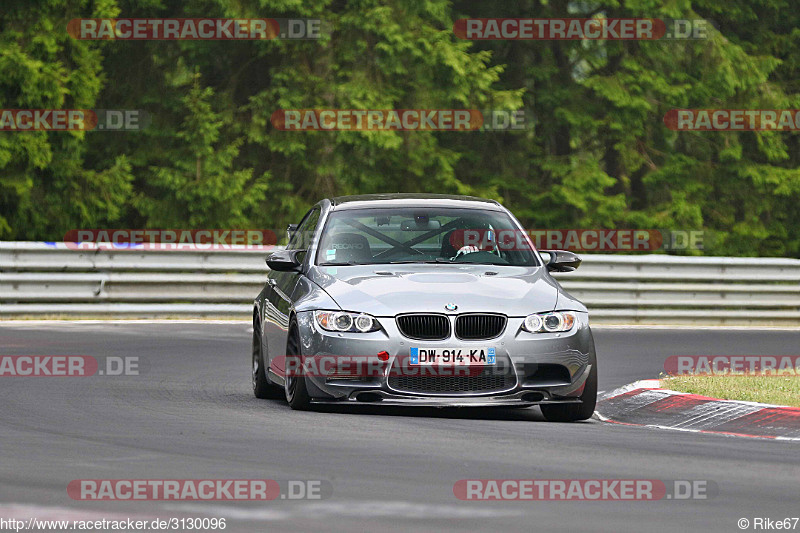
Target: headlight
x: 549, y: 322
x: 343, y: 321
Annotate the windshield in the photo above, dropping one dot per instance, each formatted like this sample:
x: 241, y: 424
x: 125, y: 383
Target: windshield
x: 424, y: 235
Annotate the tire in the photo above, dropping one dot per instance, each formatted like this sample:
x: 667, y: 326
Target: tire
x: 263, y: 388
x: 295, y: 386
x: 575, y: 411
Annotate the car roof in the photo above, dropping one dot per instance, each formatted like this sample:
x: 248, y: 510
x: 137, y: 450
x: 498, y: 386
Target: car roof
x: 362, y: 201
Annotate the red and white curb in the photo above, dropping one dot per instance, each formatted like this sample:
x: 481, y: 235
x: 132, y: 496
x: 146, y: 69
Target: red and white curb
x: 645, y: 404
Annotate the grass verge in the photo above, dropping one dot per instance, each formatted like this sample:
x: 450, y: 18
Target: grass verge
x: 778, y: 390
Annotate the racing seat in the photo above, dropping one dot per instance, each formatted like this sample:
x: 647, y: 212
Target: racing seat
x: 345, y: 247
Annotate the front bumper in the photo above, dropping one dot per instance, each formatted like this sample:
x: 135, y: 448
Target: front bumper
x: 568, y: 358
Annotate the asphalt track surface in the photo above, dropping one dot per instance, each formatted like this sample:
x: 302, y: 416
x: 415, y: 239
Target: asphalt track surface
x: 191, y: 414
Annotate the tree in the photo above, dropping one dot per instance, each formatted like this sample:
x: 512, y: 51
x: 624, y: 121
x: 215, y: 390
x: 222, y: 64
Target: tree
x: 45, y: 188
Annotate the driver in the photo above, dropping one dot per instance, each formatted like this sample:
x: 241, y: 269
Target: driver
x: 482, y: 238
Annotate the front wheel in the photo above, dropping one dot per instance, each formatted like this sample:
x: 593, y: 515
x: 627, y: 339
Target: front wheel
x: 295, y: 383
x: 575, y: 411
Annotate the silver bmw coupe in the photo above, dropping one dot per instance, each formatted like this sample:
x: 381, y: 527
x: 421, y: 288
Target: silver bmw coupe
x: 430, y: 300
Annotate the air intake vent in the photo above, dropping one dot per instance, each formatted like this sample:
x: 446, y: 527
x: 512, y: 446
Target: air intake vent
x: 424, y: 327
x: 479, y: 326
x: 489, y: 380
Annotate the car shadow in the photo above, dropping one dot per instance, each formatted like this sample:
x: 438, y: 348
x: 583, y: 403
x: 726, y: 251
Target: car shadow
x: 529, y: 414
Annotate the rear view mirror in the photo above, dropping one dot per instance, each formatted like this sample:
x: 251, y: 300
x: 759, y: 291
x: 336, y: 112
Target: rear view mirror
x: 560, y: 260
x: 420, y: 225
x: 285, y: 260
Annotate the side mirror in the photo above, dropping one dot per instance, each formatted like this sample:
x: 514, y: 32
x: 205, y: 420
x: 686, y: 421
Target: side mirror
x: 290, y: 229
x: 285, y: 260
x: 561, y: 260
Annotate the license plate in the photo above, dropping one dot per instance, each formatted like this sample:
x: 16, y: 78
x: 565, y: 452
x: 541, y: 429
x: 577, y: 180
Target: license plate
x: 452, y: 356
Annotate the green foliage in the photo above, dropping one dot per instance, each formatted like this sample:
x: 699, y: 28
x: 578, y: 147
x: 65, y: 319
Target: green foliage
x: 45, y: 188
x: 599, y: 155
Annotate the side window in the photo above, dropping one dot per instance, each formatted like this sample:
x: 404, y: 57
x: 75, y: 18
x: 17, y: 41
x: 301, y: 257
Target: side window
x: 302, y: 237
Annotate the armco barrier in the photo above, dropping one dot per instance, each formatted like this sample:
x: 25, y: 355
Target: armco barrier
x: 39, y: 279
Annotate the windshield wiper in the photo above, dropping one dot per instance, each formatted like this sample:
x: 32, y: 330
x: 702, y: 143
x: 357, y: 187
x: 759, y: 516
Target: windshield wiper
x: 344, y: 263
x: 426, y: 261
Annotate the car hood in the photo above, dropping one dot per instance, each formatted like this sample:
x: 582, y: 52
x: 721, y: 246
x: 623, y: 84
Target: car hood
x: 386, y: 290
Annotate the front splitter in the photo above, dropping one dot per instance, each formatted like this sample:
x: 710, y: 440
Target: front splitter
x: 508, y: 400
